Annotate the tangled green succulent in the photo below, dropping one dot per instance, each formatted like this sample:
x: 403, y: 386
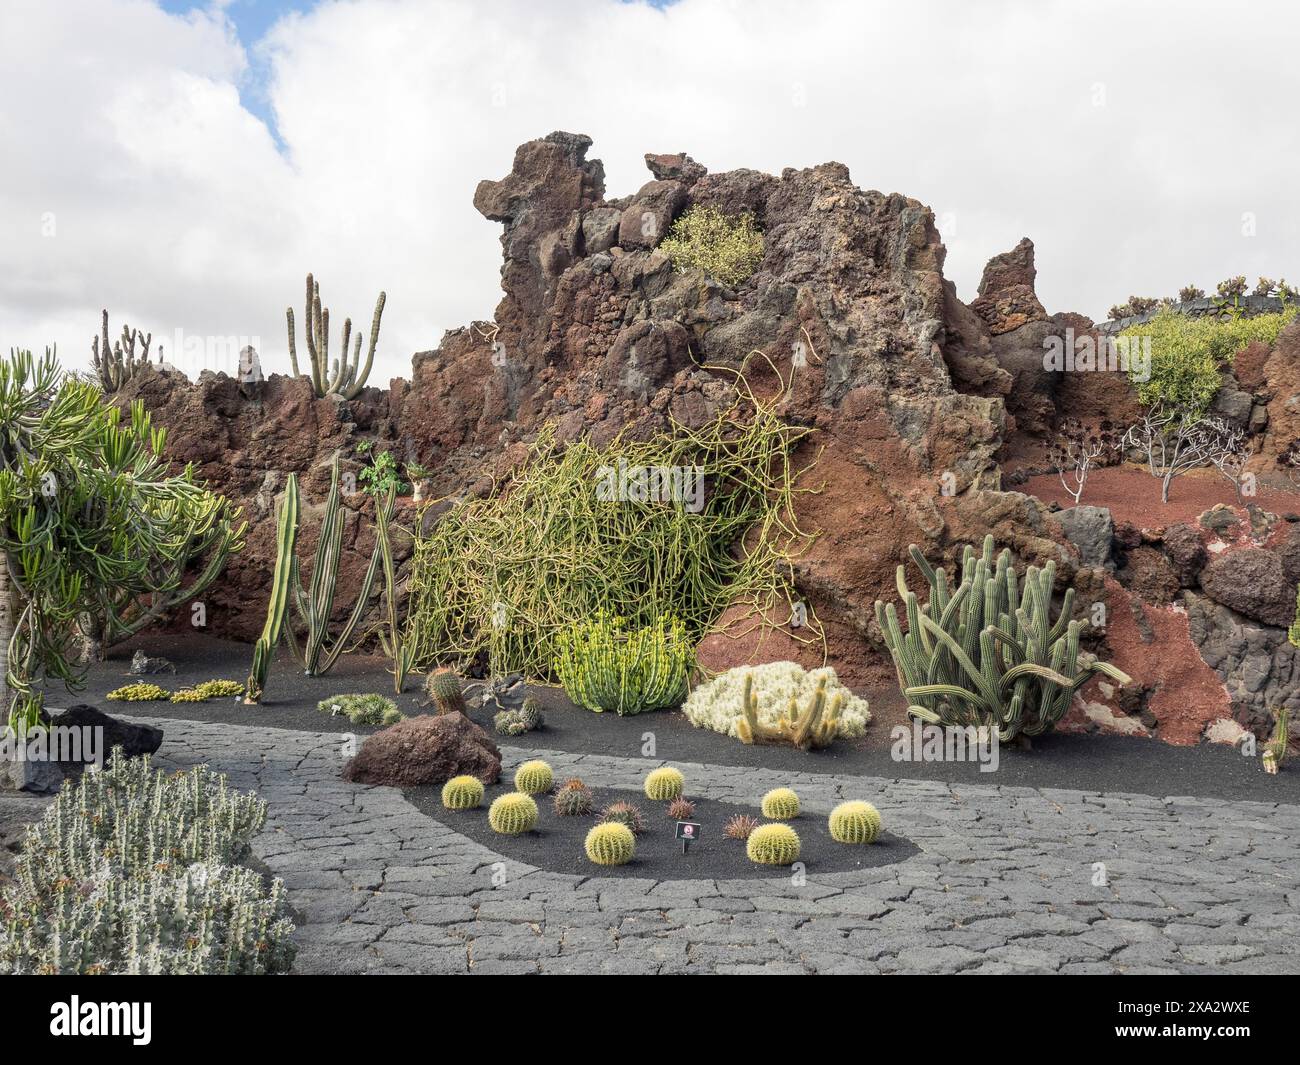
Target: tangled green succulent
x: 773, y: 845
x: 854, y: 822
x: 462, y: 793
x: 219, y: 689
x: 513, y: 814
x: 610, y: 844
x: 362, y: 709
x: 534, y: 778
x: 141, y: 692
x: 664, y: 784
x: 726, y: 248
x: 780, y: 804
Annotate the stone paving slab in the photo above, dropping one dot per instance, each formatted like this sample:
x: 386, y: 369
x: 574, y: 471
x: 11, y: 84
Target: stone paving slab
x: 1013, y: 880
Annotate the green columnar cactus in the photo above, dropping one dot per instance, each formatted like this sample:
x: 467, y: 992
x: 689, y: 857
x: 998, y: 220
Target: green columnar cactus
x: 534, y: 778
x: 987, y: 654
x: 812, y: 728
x: 773, y: 845
x: 117, y: 366
x: 402, y: 652
x: 573, y: 800
x: 854, y: 822
x: 443, y: 689
x: 664, y: 784
x: 462, y: 793
x: 513, y: 814
x: 286, y: 540
x: 780, y: 804
x: 1276, y: 749
x: 611, y: 844
x: 347, y: 377
x: 605, y: 666
x: 1293, y: 633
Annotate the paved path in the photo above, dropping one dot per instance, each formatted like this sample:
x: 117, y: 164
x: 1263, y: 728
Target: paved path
x: 1005, y: 882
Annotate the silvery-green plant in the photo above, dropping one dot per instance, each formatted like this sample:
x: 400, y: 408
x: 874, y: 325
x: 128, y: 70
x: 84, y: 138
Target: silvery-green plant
x: 133, y: 871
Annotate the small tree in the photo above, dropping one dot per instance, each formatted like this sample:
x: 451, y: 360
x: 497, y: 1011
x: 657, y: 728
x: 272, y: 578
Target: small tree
x: 1230, y: 450
x: 1077, y: 449
x: 90, y: 521
x: 1175, y: 441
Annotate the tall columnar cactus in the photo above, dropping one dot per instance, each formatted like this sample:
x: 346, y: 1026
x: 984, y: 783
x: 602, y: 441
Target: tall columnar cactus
x: 286, y: 540
x: 116, y: 366
x: 399, y: 650
x: 610, y: 844
x: 811, y: 728
x: 854, y: 822
x: 1276, y: 749
x: 346, y: 377
x: 988, y: 653
x: 773, y: 845
x: 1293, y: 633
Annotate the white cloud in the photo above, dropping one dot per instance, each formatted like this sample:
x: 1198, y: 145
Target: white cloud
x: 1127, y: 140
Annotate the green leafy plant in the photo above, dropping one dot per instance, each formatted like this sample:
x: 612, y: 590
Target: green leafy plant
x: 773, y: 845
x: 854, y: 822
x: 381, y: 478
x: 362, y: 709
x: 346, y: 377
x: 135, y: 871
x: 603, y: 666
x: 499, y: 579
x: 725, y: 247
x: 91, y: 525
x: 610, y: 844
x: 986, y: 652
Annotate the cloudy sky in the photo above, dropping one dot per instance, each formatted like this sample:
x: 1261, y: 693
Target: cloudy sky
x: 185, y: 164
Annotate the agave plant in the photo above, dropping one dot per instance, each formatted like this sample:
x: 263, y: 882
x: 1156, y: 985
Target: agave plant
x: 91, y: 524
x: 987, y: 653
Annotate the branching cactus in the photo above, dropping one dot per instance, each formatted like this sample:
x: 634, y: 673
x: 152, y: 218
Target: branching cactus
x: 811, y: 728
x: 987, y: 654
x: 116, y: 366
x: 346, y: 377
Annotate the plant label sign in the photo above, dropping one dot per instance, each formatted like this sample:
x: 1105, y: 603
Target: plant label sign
x: 688, y: 832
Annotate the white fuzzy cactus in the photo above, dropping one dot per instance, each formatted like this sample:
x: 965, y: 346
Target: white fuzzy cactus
x: 718, y: 705
x: 132, y: 871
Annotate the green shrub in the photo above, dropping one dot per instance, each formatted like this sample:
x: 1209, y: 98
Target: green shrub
x: 727, y: 248
x: 1188, y: 355
x: 131, y: 870
x: 605, y: 666
x: 362, y: 709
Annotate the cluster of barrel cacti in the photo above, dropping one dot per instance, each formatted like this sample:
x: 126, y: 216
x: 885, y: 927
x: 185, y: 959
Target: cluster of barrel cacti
x: 131, y: 870
x: 527, y: 718
x: 987, y: 653
x: 368, y: 708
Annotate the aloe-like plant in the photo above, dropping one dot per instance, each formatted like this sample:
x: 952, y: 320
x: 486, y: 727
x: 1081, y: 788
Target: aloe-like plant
x: 987, y: 653
x: 91, y: 520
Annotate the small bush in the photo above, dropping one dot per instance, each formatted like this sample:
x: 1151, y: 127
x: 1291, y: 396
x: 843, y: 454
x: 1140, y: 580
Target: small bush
x: 142, y: 692
x: 605, y: 666
x: 726, y: 248
x: 133, y: 871
x: 362, y: 709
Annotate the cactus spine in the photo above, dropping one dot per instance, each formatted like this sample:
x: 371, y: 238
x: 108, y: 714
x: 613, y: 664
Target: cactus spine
x: 664, y: 784
x: 534, y: 778
x: 347, y: 377
x: 773, y: 845
x: 513, y: 814
x: 854, y: 822
x: 780, y: 804
x: 286, y: 540
x: 610, y: 844
x: 462, y: 793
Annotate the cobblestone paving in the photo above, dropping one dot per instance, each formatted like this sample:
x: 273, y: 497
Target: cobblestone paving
x: 1004, y: 881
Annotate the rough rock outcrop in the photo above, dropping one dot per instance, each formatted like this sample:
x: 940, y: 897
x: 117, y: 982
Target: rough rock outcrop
x: 1007, y: 299
x: 1250, y: 581
x: 429, y: 749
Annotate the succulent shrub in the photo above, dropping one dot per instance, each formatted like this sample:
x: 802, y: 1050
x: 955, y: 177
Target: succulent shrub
x: 780, y: 804
x: 188, y: 695
x: 132, y: 870
x: 610, y: 844
x: 573, y: 800
x: 381, y: 476
x: 719, y: 704
x: 604, y: 665
x: 462, y: 793
x: 664, y: 784
x: 443, y: 688
x: 773, y: 845
x: 854, y: 822
x: 728, y: 248
x: 140, y: 692
x: 681, y: 809
x: 985, y: 652
x: 534, y: 778
x: 362, y: 709
x: 624, y: 813
x: 219, y: 689
x: 1190, y: 292
x: 516, y: 722
x: 740, y: 826
x: 513, y: 814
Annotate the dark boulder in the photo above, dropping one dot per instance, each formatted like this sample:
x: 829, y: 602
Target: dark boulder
x: 425, y: 750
